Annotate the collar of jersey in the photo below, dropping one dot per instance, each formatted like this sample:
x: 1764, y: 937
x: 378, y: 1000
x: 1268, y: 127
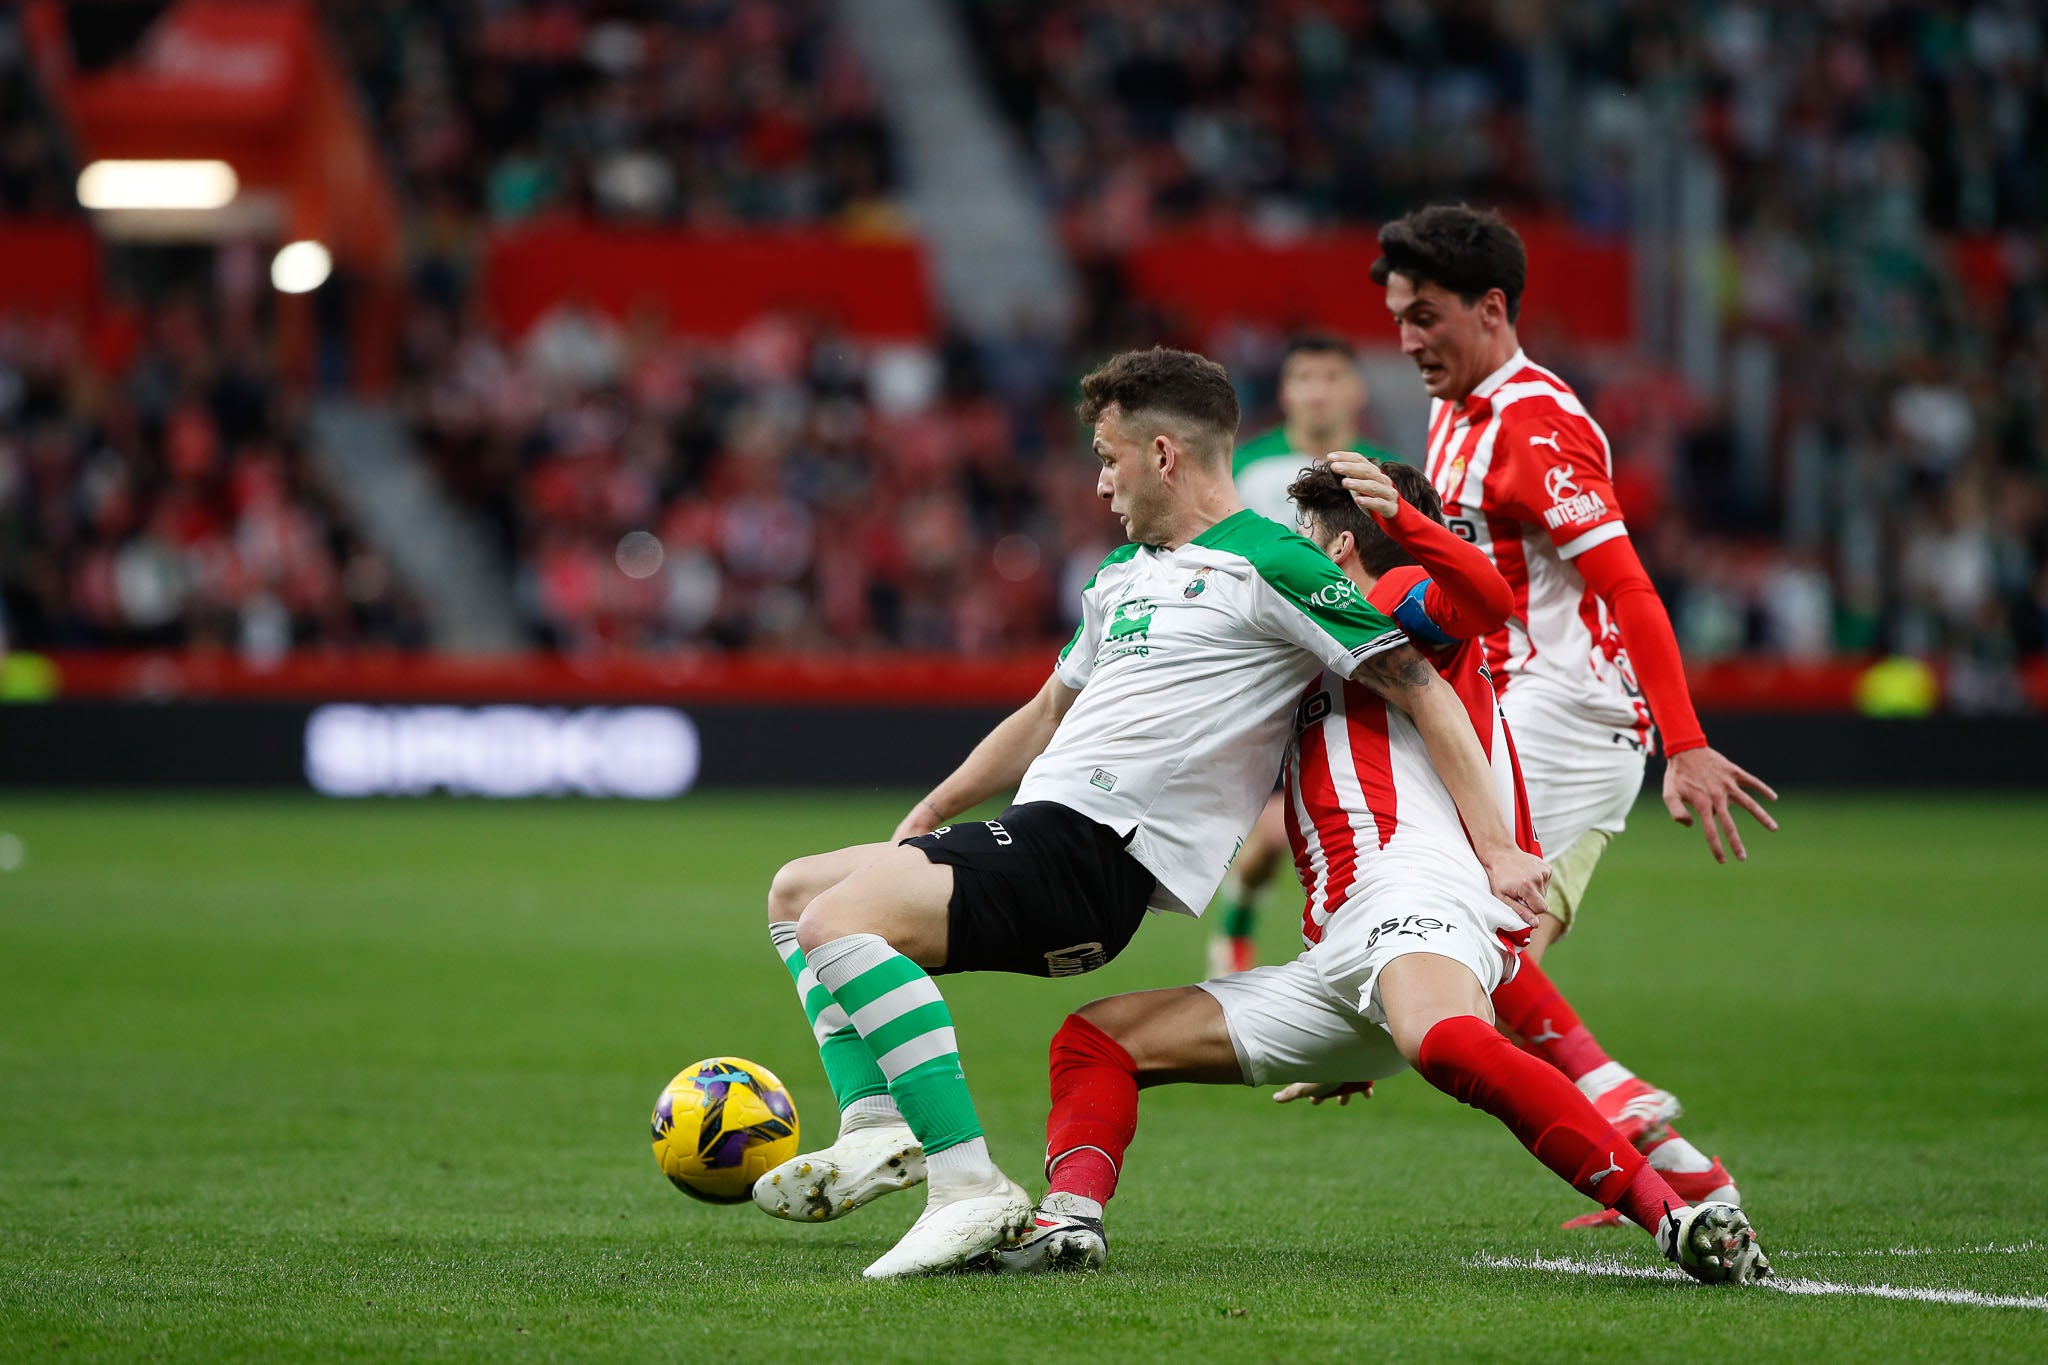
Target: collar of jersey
x: 1208, y: 538
x: 1480, y: 400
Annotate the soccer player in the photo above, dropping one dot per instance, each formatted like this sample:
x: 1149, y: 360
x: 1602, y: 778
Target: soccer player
x: 1138, y: 766
x: 1587, y: 664
x: 1322, y: 395
x: 1401, y: 931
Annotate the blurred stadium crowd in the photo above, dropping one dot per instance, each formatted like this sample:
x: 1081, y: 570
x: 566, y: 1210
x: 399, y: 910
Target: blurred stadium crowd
x: 1876, y: 160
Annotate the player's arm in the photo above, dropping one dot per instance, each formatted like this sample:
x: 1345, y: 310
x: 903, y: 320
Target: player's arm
x: 997, y: 764
x: 1464, y: 597
x: 1569, y: 494
x: 1406, y: 680
x: 1698, y: 780
x: 1316, y: 607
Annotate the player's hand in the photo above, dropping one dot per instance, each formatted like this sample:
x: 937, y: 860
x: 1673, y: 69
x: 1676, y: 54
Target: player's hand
x: 1519, y: 879
x: 1367, y: 483
x: 1702, y: 782
x: 924, y: 817
x: 1315, y: 1092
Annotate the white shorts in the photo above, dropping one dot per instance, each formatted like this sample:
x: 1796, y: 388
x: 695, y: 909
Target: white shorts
x: 1319, y: 1017
x: 1579, y: 774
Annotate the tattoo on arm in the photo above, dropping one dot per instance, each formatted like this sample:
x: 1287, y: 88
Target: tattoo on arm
x: 1397, y: 673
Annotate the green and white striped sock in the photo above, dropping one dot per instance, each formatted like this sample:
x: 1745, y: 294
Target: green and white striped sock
x: 857, y: 1083
x: 904, y: 1021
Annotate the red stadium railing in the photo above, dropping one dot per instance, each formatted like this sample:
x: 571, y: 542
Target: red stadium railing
x: 796, y: 679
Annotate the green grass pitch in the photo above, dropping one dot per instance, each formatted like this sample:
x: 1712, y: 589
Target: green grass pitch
x: 285, y: 1079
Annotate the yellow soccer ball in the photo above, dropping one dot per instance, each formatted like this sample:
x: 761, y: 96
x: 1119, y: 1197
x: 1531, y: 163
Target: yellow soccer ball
x: 720, y: 1125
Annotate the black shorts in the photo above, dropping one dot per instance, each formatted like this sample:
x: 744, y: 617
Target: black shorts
x: 1041, y: 891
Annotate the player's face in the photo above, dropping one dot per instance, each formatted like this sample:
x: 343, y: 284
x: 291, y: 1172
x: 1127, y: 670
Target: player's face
x: 1443, y: 335
x: 1320, y: 391
x: 1129, y: 478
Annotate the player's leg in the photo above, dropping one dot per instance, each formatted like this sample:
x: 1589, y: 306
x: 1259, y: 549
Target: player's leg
x: 1581, y: 787
x: 1234, y: 947
x: 1100, y: 1058
x: 1268, y: 1026
x: 869, y: 939
x: 1437, y: 1011
x: 875, y: 1151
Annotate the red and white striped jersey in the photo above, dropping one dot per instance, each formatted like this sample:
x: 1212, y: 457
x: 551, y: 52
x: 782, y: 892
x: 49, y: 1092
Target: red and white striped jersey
x: 1525, y: 474
x: 1364, y: 801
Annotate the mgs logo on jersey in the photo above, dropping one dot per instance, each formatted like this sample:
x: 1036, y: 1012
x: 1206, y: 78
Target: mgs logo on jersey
x: 1568, y: 503
x: 1334, y: 594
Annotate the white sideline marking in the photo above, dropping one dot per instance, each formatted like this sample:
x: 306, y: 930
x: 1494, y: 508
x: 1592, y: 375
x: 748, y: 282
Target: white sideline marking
x: 1988, y: 1249
x: 1567, y: 1266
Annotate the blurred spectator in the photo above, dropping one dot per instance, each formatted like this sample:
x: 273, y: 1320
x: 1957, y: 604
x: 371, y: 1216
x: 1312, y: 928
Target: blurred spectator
x: 706, y: 112
x: 170, y: 502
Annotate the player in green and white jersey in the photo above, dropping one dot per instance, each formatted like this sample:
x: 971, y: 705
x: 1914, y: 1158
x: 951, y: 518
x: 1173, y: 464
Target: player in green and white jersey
x: 1322, y: 396
x: 1138, y: 767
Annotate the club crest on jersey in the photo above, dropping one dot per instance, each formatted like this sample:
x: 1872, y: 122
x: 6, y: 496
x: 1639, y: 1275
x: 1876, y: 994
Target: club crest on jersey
x: 1197, y: 585
x: 1568, y: 503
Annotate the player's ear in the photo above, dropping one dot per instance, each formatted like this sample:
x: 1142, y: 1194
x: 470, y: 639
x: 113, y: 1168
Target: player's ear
x: 1344, y: 548
x: 1165, y: 454
x: 1493, y: 307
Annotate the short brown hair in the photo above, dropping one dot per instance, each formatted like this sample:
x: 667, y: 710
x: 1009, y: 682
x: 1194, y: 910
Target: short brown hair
x: 1456, y: 247
x: 1320, y: 494
x: 1167, y: 386
x: 1317, y: 343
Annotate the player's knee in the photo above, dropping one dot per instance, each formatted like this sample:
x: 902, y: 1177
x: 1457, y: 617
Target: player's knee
x: 829, y: 916
x: 1139, y: 1025
x: 1109, y: 1016
x: 791, y: 891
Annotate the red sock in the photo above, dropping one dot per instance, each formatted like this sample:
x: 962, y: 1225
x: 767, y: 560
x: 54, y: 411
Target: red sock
x: 1534, y: 1008
x: 1474, y: 1065
x: 1094, y: 1110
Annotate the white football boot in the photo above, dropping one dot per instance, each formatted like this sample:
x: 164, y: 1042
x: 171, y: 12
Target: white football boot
x: 1066, y: 1234
x: 1713, y: 1243
x: 959, y: 1225
x: 861, y: 1166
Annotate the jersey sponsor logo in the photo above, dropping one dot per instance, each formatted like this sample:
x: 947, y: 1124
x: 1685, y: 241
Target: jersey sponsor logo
x: 1465, y: 529
x: 1198, y: 584
x: 1082, y: 957
x: 1102, y: 778
x: 1130, y: 628
x: 1334, y: 594
x: 1569, y: 504
x: 1550, y: 440
x: 1408, y: 926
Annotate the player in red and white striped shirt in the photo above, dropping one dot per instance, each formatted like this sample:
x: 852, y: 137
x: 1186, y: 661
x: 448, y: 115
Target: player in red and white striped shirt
x: 1403, y: 929
x: 1363, y: 802
x: 1587, y: 663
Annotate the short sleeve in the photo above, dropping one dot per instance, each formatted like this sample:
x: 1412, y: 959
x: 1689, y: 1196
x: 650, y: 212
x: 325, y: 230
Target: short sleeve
x: 1077, y: 661
x: 1554, y: 472
x: 1310, y: 602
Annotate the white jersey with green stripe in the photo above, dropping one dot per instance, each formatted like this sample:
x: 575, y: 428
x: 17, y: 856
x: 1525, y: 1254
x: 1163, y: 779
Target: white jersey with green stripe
x: 1190, y: 663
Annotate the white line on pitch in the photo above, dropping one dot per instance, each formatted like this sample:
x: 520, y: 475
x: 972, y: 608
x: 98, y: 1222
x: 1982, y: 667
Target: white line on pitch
x: 1566, y: 1266
x: 1988, y: 1249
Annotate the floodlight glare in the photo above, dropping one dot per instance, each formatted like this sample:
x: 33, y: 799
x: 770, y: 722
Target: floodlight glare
x: 300, y: 267
x: 157, y: 185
